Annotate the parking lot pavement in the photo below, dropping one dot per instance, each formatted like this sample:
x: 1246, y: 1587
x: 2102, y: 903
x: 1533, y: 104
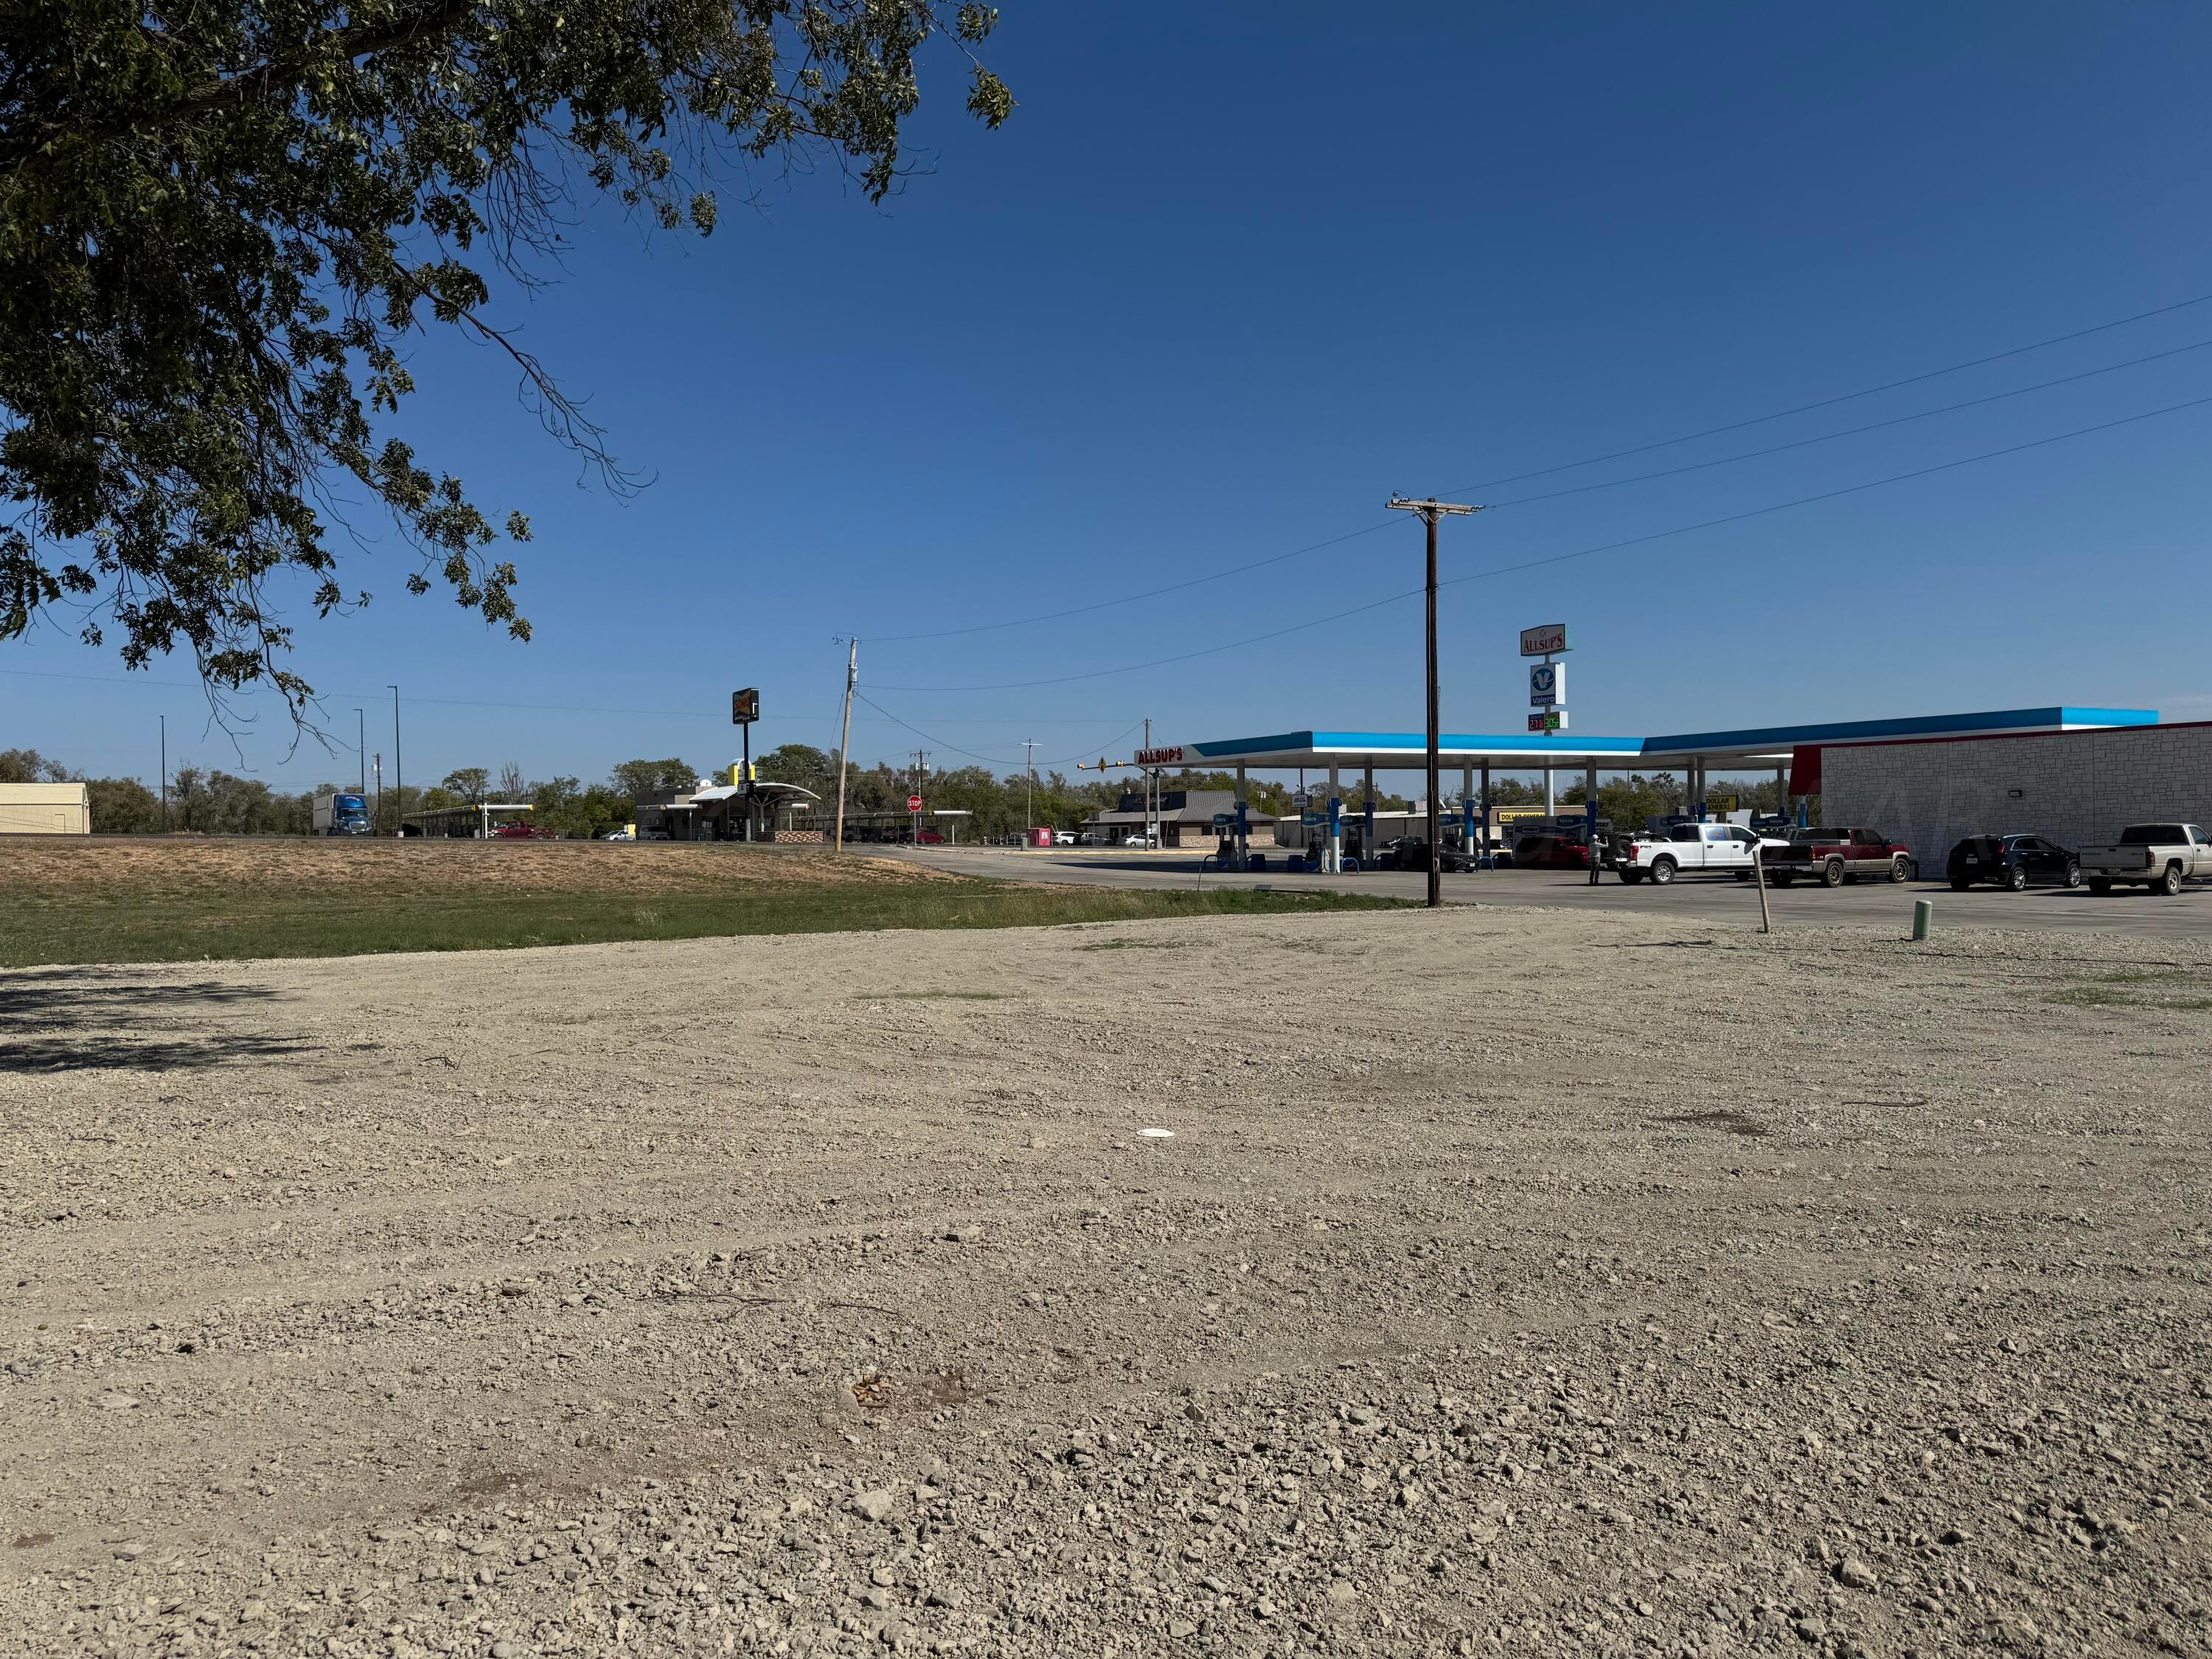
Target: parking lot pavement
x: 1721, y: 899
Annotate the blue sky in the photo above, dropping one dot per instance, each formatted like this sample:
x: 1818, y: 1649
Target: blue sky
x: 1234, y: 274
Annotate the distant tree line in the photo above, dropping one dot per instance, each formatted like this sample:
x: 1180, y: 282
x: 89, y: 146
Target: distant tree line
x: 210, y: 801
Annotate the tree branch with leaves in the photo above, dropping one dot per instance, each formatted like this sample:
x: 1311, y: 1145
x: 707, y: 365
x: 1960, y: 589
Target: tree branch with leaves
x: 223, y: 222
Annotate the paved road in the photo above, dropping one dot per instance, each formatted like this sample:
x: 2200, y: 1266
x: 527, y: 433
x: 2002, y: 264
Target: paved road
x: 1710, y: 898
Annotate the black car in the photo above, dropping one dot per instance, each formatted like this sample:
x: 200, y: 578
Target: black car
x: 2012, y: 861
x: 1412, y: 854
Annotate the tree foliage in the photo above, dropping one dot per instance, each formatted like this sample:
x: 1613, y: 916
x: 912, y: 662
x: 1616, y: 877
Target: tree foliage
x: 634, y: 779
x: 468, y: 784
x: 221, y: 221
x: 123, y: 806
x: 29, y: 766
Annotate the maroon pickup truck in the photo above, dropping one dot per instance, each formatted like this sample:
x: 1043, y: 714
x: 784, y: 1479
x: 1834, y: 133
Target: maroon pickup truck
x: 1836, y: 855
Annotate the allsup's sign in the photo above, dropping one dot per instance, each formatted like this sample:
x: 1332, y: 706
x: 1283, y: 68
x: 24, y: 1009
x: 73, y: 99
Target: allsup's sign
x: 1160, y: 757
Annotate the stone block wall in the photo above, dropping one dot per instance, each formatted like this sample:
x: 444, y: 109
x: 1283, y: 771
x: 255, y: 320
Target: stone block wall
x: 2079, y: 788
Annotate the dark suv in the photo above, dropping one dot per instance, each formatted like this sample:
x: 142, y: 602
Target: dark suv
x: 2012, y: 861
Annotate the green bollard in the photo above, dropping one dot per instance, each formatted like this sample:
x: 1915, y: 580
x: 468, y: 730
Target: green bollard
x: 1923, y: 917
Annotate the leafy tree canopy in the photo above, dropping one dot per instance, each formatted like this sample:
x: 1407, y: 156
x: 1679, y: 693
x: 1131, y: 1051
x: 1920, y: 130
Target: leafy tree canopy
x: 220, y: 221
x: 29, y: 766
x: 468, y: 784
x: 633, y: 779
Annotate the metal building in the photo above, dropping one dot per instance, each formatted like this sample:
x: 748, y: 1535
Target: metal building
x: 45, y: 809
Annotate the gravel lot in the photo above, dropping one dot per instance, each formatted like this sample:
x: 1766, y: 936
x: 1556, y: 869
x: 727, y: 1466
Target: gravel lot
x: 1540, y: 1282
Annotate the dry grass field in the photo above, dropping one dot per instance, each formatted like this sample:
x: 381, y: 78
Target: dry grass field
x: 82, y: 899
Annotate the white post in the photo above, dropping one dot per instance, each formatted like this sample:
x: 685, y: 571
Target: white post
x: 1550, y: 803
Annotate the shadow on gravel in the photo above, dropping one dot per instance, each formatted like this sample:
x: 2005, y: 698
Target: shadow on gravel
x: 67, y: 1019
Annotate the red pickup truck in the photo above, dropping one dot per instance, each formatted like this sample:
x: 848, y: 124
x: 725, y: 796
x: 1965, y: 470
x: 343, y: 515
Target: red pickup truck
x: 1837, y: 855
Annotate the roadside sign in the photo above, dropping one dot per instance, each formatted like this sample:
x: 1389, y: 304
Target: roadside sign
x: 1552, y: 720
x: 1720, y: 803
x: 1548, y: 685
x: 745, y: 706
x: 914, y: 803
x: 1544, y: 641
x: 1299, y: 798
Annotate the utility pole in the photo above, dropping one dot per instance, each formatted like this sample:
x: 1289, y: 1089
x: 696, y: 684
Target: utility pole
x: 376, y: 811
x: 398, y: 778
x: 165, y: 775
x: 360, y: 746
x: 921, y: 777
x: 1029, y: 798
x: 845, y: 739
x: 1431, y: 511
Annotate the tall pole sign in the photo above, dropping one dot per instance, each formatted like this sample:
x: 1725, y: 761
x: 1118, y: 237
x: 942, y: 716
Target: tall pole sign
x: 1547, y: 680
x: 744, y: 710
x: 1548, y: 702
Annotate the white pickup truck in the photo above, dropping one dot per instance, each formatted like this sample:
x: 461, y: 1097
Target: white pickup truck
x: 1690, y: 846
x: 2159, y: 856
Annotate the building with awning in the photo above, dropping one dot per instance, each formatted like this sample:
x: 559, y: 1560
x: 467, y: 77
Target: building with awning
x: 728, y: 811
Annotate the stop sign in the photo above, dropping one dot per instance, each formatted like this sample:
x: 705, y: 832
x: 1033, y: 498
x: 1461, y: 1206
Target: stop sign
x: 914, y: 803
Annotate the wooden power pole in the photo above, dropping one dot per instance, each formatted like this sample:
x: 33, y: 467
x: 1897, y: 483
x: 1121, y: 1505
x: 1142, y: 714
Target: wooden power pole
x: 1431, y: 511
x: 845, y: 742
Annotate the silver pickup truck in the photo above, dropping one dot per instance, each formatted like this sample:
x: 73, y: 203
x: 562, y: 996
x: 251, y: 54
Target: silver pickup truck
x: 2159, y: 856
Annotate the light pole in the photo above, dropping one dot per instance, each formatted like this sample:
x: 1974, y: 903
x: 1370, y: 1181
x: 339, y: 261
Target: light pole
x: 360, y: 746
x: 165, y: 775
x: 398, y: 778
x: 1431, y: 511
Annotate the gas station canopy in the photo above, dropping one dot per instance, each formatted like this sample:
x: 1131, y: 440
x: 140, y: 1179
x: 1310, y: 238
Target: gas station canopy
x: 1766, y: 745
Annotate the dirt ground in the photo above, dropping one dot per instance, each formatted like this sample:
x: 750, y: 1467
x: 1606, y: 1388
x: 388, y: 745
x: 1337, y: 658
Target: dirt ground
x: 176, y: 864
x: 1510, y: 1281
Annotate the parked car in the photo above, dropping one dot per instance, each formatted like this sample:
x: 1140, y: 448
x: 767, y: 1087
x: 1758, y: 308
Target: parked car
x: 2011, y: 861
x: 519, y: 831
x: 1138, y: 838
x: 619, y: 835
x: 928, y: 838
x: 1412, y: 852
x: 1840, y: 855
x: 1689, y: 846
x: 1063, y: 838
x: 1548, y: 851
x: 2159, y: 856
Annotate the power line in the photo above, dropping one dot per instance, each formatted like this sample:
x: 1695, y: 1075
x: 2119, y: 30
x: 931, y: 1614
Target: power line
x: 136, y: 680
x: 1580, y: 553
x: 1843, y: 398
x: 988, y: 760
x: 1615, y: 455
x: 1149, y: 594
x: 1828, y: 495
x: 1852, y: 431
